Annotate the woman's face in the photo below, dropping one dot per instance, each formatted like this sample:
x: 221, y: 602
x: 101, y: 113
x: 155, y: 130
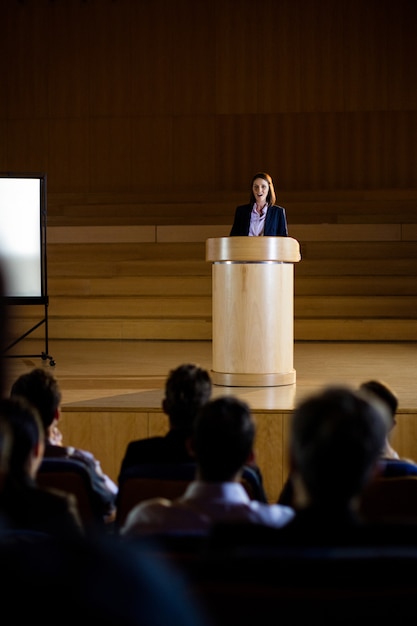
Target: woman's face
x: 260, y: 190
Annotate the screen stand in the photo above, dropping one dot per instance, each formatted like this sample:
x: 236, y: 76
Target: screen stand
x: 43, y: 355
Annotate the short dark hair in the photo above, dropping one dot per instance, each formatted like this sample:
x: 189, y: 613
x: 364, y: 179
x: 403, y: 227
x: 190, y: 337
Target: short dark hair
x: 187, y: 388
x: 41, y: 389
x: 26, y: 430
x: 223, y: 438
x: 271, y: 197
x: 384, y: 392
x: 337, y: 435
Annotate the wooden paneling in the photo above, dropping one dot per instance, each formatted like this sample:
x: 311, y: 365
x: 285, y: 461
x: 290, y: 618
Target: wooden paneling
x: 69, y: 69
x: 27, y: 145
x: 23, y: 32
x: 107, y: 434
x: 151, y: 96
x: 69, y: 138
x: 365, y: 33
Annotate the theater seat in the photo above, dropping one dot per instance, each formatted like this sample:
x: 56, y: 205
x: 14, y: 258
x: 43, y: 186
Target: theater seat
x: 391, y: 500
x: 142, y: 482
x: 72, y: 477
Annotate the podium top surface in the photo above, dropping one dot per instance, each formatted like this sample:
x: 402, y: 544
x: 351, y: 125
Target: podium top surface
x: 283, y: 249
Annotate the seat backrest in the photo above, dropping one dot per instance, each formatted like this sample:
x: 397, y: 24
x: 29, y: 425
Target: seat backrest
x: 390, y: 500
x: 159, y: 480
x: 71, y: 477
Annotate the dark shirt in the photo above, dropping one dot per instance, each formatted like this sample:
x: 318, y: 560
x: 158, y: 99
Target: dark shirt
x: 172, y: 448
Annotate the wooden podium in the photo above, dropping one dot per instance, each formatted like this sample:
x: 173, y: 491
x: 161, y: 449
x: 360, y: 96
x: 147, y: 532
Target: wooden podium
x: 253, y: 310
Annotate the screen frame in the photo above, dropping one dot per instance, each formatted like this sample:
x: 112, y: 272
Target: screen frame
x: 43, y: 297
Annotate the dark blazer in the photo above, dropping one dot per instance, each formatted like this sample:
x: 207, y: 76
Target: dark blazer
x: 275, y: 221
x: 172, y: 448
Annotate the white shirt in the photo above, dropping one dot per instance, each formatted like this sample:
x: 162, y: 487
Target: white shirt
x: 202, y: 505
x: 257, y: 222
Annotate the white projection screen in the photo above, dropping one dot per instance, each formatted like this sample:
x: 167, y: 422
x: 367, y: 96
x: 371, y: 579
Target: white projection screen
x: 23, y: 236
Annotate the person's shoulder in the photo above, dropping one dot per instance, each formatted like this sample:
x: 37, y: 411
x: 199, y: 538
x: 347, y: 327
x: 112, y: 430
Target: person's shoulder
x: 145, y: 443
x: 273, y: 514
x: 398, y: 467
x: 146, y: 514
x: 146, y: 450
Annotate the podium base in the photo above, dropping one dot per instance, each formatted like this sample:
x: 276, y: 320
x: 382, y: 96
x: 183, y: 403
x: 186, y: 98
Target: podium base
x: 224, y: 379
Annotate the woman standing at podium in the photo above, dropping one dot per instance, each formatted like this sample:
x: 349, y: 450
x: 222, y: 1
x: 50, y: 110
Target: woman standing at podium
x: 261, y: 217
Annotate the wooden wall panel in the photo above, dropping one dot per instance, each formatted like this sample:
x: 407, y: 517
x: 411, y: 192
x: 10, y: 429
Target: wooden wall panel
x: 365, y: 36
x: 22, y: 33
x: 110, y: 154
x: 110, y: 63
x: 68, y: 63
x: 69, y: 147
x: 194, y: 66
x: 401, y: 155
x: 401, y: 55
x: 239, y: 38
x: 278, y: 71
x: 153, y: 78
x: 321, y: 93
x: 321, y: 55
x: 241, y: 143
x: 194, y: 155
x: 27, y: 145
x: 152, y: 153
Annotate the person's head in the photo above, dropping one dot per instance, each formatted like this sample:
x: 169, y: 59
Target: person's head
x: 223, y: 439
x: 384, y: 393
x: 41, y: 389
x: 262, y: 189
x: 336, y: 438
x: 26, y: 428
x: 187, y: 388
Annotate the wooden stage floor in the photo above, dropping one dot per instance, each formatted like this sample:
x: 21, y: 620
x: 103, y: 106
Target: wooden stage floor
x: 131, y: 374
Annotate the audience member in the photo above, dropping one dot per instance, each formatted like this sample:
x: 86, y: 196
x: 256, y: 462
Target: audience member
x: 100, y: 581
x: 41, y: 389
x: 187, y: 388
x: 22, y: 503
x: 222, y: 441
x: 390, y: 464
x: 336, y: 439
